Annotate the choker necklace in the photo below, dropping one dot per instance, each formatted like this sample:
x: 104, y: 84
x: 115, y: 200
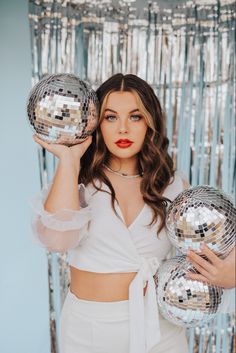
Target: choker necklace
x: 122, y: 174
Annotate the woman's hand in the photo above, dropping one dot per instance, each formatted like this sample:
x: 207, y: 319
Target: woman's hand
x: 215, y: 271
x: 75, y: 151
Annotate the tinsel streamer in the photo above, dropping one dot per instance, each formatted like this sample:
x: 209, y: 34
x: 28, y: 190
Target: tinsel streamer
x: 58, y: 272
x: 186, y: 51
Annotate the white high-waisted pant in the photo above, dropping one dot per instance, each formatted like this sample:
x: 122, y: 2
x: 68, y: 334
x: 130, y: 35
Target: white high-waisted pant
x: 103, y: 327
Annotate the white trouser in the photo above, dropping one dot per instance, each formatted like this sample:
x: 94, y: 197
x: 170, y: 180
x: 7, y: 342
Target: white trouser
x: 103, y: 327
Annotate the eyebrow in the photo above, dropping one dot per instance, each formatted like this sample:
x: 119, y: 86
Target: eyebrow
x: 113, y: 111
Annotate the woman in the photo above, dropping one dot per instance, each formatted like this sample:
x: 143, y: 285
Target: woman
x: 114, y: 227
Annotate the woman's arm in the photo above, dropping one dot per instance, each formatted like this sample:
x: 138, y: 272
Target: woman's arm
x: 58, y: 220
x: 64, y: 191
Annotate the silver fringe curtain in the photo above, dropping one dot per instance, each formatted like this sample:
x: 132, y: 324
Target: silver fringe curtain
x: 186, y: 51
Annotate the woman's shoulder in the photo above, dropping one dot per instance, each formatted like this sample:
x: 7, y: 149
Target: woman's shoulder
x: 177, y: 184
x: 183, y: 178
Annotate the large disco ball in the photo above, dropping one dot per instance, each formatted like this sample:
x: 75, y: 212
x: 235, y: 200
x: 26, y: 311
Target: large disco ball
x: 63, y: 109
x: 202, y: 214
x: 183, y: 301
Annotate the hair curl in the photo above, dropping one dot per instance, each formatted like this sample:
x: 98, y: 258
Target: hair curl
x: 153, y: 158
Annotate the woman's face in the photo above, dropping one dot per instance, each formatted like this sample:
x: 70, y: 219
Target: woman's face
x: 123, y: 127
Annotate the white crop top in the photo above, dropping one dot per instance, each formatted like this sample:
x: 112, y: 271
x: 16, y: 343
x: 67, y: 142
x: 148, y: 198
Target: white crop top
x: 98, y: 241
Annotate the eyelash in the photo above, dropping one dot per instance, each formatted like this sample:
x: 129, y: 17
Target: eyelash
x: 113, y: 116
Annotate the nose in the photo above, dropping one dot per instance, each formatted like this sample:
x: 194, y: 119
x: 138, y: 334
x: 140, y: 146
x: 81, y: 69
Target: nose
x: 123, y: 127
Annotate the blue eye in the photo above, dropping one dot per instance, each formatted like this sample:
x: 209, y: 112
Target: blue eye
x: 114, y: 117
x: 136, y: 117
x: 110, y: 117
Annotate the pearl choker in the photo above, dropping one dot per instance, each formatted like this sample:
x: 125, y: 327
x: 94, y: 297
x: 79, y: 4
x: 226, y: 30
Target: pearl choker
x: 122, y: 174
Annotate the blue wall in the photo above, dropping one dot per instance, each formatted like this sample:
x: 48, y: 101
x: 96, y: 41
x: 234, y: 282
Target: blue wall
x: 24, y: 320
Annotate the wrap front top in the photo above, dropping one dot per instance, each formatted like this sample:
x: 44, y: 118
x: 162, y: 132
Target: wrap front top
x: 98, y: 241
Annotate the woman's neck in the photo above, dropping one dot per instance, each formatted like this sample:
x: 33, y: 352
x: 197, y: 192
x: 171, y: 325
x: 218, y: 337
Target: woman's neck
x: 127, y: 166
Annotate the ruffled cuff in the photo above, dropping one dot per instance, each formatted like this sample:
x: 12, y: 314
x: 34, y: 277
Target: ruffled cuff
x: 62, y: 230
x: 64, y: 219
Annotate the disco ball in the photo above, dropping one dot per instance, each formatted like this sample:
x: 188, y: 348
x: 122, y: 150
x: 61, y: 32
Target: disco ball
x: 62, y: 109
x: 202, y: 214
x: 183, y: 301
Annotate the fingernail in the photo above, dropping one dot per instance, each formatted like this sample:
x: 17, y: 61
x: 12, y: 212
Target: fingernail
x: 202, y: 246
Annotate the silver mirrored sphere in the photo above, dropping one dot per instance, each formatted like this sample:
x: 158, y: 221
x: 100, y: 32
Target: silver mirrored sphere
x: 202, y: 214
x: 63, y: 109
x: 182, y: 301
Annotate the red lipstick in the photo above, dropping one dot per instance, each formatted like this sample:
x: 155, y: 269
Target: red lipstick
x: 123, y: 143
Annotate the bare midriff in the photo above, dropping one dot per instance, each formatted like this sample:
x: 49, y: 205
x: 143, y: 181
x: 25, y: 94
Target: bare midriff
x: 104, y: 287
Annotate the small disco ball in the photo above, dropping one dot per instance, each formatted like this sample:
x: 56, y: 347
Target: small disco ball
x: 202, y: 214
x: 63, y: 109
x: 183, y: 301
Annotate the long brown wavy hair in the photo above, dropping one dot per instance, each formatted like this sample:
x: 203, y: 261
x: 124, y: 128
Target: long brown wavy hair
x: 153, y: 159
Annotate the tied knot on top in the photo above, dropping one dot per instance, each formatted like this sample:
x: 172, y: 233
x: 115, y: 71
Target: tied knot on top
x: 144, y: 323
x: 149, y: 267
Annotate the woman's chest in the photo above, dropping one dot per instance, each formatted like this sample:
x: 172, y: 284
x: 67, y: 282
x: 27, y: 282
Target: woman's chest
x: 130, y: 203
x: 112, y: 229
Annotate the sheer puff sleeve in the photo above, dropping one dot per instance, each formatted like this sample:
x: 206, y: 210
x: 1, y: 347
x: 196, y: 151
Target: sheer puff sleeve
x: 63, y: 230
x: 227, y: 305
